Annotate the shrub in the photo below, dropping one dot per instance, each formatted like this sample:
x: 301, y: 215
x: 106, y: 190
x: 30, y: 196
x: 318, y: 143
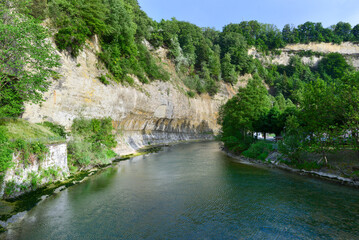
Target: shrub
x: 56, y: 128
x: 30, y: 152
x: 190, y: 94
x: 92, y: 141
x: 10, y: 188
x: 306, y: 165
x: 259, y: 150
x: 35, y: 180
x: 104, y: 80
x: 5, y: 151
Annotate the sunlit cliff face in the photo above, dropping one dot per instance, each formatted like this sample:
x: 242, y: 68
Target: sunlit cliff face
x: 144, y: 114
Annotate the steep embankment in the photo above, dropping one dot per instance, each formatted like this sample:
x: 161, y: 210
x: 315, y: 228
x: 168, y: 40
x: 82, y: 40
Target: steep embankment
x: 144, y: 114
x: 349, y: 50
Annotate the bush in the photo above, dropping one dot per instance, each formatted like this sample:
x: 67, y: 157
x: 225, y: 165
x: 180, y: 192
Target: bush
x: 5, y: 151
x: 104, y: 80
x: 306, y: 165
x: 190, y: 94
x: 259, y: 150
x: 237, y: 145
x: 291, y: 147
x: 92, y: 141
x: 30, y: 152
x: 56, y: 128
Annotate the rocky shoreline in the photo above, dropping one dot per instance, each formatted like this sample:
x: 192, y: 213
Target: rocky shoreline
x: 275, y: 163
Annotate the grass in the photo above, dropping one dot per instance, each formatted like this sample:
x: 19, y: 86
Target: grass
x: 21, y: 129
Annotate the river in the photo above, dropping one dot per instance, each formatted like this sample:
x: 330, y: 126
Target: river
x: 194, y: 191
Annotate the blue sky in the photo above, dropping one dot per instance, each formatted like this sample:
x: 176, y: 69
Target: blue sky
x: 214, y: 13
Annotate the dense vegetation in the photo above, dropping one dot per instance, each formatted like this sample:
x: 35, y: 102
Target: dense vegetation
x: 92, y: 142
x: 315, y: 109
x: 27, y: 141
x: 203, y: 56
x: 26, y: 61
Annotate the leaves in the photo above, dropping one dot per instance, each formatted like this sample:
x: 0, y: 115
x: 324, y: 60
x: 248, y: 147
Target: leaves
x: 26, y: 61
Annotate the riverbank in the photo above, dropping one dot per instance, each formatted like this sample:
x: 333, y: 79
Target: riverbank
x: 193, y: 191
x: 14, y: 209
x: 273, y: 161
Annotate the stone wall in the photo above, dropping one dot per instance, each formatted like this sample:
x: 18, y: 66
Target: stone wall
x: 22, y: 176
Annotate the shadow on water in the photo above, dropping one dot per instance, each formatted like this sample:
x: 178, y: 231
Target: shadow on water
x: 194, y: 191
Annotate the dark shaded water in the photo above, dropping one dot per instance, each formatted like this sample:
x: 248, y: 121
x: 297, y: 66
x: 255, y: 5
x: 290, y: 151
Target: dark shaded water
x: 193, y: 191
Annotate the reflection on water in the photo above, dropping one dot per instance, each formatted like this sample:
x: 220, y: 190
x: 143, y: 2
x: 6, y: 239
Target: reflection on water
x: 193, y: 191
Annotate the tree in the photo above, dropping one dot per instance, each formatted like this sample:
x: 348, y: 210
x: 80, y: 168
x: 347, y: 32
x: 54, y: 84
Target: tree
x: 333, y: 65
x: 343, y: 31
x: 349, y: 106
x: 77, y: 20
x: 320, y: 116
x: 26, y: 61
x: 355, y: 32
x: 228, y: 70
x: 288, y: 34
x: 39, y: 8
x: 239, y: 114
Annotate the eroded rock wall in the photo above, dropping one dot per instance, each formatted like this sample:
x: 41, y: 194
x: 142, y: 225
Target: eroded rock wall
x: 159, y: 112
x: 349, y: 50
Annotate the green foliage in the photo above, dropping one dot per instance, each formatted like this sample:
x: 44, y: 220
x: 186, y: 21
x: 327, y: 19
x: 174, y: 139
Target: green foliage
x: 306, y: 165
x: 55, y: 128
x: 30, y: 152
x: 10, y: 188
x: 104, y: 80
x: 315, y: 32
x: 26, y: 60
x: 228, y: 70
x: 263, y: 36
x: 238, y: 115
x: 76, y: 21
x: 5, y: 151
x: 50, y: 173
x: 191, y: 94
x: 259, y: 150
x: 92, y: 141
x: 309, y: 53
x: 80, y: 152
x: 35, y: 180
x: 21, y: 129
x: 293, y: 143
x: 195, y: 83
x: 149, y: 65
x: 333, y: 65
x: 38, y: 9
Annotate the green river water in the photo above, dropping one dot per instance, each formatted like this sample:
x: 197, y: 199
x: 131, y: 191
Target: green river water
x: 194, y: 191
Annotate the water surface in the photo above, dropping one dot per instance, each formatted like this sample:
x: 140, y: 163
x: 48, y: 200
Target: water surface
x: 194, y: 191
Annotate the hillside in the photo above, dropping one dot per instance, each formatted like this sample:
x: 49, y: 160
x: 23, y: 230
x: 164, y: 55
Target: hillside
x: 119, y: 81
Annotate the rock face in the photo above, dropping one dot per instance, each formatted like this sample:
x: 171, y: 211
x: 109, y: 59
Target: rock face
x: 144, y: 114
x: 349, y: 50
x: 159, y: 112
x: 24, y: 176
